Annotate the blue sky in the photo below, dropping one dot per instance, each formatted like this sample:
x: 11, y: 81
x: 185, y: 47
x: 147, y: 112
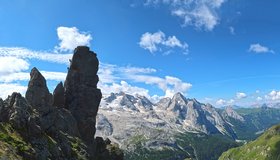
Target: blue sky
x: 218, y: 51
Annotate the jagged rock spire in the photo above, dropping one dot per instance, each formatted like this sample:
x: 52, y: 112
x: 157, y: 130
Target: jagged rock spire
x: 37, y: 94
x: 82, y: 97
x: 58, y: 95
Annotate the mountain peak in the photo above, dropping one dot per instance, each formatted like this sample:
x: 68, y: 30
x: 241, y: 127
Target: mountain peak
x: 179, y: 96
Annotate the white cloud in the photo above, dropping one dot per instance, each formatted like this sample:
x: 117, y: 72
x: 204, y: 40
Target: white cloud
x: 221, y: 102
x: 25, y: 76
x: 8, y: 88
x: 150, y: 41
x: 70, y: 38
x: 123, y: 86
x: 240, y: 95
x: 174, y: 42
x: 110, y: 74
x: 158, y: 42
x: 134, y: 70
x: 12, y: 64
x: 113, y: 78
x: 24, y: 53
x: 8, y: 85
x: 170, y: 85
x: 259, y: 98
x: 232, y: 30
x: 54, y: 76
x: 231, y: 101
x: 19, y: 76
x: 201, y: 14
x: 273, y: 95
x: 258, y: 48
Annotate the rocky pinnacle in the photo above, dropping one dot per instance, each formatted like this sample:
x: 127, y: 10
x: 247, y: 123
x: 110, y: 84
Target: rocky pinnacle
x: 82, y: 97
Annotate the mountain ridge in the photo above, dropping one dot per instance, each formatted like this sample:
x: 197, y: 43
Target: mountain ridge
x: 152, y: 128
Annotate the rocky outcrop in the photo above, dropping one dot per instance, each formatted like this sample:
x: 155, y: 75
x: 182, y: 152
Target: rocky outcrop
x: 37, y: 94
x: 107, y: 150
x: 82, y: 97
x: 58, y: 95
x: 59, y: 126
x: 229, y: 112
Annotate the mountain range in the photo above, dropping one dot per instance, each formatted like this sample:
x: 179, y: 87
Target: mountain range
x: 179, y: 126
x: 69, y: 123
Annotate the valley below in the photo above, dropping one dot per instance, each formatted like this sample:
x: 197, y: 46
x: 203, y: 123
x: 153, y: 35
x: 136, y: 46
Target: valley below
x: 178, y: 128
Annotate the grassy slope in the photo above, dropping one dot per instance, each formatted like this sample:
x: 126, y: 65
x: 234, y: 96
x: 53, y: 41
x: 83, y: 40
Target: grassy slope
x: 266, y: 147
x: 14, y: 147
x: 11, y: 143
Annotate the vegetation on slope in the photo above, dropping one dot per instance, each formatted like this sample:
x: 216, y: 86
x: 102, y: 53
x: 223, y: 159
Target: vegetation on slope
x: 186, y: 146
x: 256, y: 120
x: 266, y: 147
x: 12, y: 146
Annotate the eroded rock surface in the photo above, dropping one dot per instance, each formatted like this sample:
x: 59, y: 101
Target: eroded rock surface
x: 61, y: 126
x: 82, y: 97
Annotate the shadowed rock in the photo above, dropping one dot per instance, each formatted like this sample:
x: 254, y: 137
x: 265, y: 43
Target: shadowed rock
x: 61, y: 126
x: 82, y: 97
x: 58, y: 95
x: 37, y: 94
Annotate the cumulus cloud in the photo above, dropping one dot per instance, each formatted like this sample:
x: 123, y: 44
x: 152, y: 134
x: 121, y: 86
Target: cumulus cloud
x: 150, y: 41
x: 123, y: 86
x: 71, y: 37
x: 273, y: 95
x: 112, y: 74
x: 240, y: 95
x: 201, y: 14
x: 159, y: 42
x: 258, y: 48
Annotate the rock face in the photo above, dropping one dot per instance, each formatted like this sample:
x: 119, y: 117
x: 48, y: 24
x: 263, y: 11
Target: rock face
x: 229, y: 112
x: 58, y: 95
x: 37, y: 94
x: 59, y: 126
x: 82, y: 97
